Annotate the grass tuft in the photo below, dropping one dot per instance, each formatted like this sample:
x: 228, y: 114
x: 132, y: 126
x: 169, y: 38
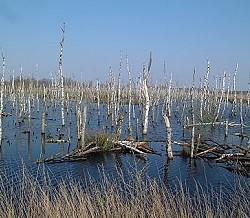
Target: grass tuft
x: 102, y: 141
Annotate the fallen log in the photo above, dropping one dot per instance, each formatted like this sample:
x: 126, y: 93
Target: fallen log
x: 129, y: 145
x: 223, y: 156
x: 140, y: 148
x: 239, y: 157
x: 85, y: 152
x: 78, y: 150
x: 59, y: 160
x: 56, y: 141
x: 204, y: 124
x: 238, y: 160
x: 206, y: 151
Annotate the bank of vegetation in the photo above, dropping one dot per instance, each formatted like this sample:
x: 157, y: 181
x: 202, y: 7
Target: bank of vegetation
x: 139, y: 197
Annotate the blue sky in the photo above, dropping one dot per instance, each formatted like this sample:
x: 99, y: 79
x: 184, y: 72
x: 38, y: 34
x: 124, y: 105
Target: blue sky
x: 183, y: 33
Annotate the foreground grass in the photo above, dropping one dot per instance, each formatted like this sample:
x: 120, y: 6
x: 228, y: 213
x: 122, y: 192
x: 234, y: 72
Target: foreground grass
x: 109, y: 198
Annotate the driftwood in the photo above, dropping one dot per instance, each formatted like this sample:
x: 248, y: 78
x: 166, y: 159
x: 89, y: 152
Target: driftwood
x: 130, y: 146
x: 230, y: 156
x: 113, y: 145
x: 85, y: 152
x: 56, y: 141
x: 206, y: 151
x: 204, y: 124
x: 81, y: 153
x: 233, y: 157
x: 135, y: 147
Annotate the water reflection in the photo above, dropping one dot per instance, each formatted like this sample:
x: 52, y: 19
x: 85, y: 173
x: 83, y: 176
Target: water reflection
x: 167, y: 170
x: 29, y: 146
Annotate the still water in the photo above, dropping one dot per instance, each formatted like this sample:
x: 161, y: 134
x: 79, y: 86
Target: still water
x: 21, y: 149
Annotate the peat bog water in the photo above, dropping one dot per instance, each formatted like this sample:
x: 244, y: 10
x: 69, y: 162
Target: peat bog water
x: 19, y: 148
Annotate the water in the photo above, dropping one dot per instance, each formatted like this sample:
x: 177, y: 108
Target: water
x: 21, y: 149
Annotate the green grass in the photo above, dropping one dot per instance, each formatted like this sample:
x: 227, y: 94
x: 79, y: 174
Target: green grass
x: 102, y: 140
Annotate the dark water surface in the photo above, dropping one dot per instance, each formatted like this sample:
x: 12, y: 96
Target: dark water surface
x: 21, y: 149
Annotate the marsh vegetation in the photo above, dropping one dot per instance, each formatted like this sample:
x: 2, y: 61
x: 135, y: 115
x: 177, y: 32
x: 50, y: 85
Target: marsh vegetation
x: 195, y: 131
x: 139, y: 197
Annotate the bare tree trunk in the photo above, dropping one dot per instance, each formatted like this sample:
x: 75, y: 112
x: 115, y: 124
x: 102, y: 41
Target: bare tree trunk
x: 146, y: 96
x: 169, y: 137
x: 167, y: 117
x: 83, y: 125
x: 129, y: 102
x: 234, y: 90
x: 98, y: 101
x: 21, y: 97
x: 29, y: 111
x: 228, y: 90
x: 111, y: 96
x: 37, y: 89
x: 119, y: 87
x: 221, y: 97
x: 146, y: 106
x: 241, y: 116
x: 193, y: 118
x: 205, y: 92
x: 2, y: 87
x: 1, y: 98
x: 118, y: 134
x: 13, y: 95
x: 79, y: 122
x: 61, y: 75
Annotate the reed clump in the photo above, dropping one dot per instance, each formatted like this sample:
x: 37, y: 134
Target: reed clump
x: 102, y: 141
x: 109, y: 197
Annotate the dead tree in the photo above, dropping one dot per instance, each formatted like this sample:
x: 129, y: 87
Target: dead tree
x: 61, y: 74
x: 146, y: 72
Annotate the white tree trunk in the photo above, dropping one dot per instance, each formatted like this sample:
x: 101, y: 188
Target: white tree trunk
x: 234, y: 90
x: 146, y: 107
x: 169, y: 137
x: 146, y: 96
x: 61, y: 75
x: 129, y: 101
x: 241, y: 116
x: 1, y: 99
x: 221, y: 97
x: 98, y: 101
x: 192, y: 113
x: 84, y: 116
x: 79, y: 121
x: 62, y: 101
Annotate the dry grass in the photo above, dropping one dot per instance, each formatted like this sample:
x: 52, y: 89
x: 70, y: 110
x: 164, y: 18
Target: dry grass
x: 109, y: 198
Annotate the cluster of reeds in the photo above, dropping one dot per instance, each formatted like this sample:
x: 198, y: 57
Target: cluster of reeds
x: 101, y: 139
x: 140, y: 197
